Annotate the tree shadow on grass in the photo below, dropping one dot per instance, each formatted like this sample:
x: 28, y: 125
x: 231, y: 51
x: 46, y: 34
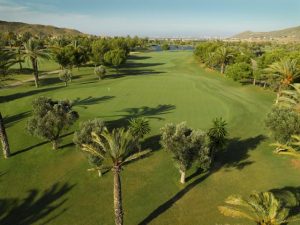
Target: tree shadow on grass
x: 236, y: 153
x: 137, y: 57
x: 132, y: 72
x: 234, y: 156
x: 35, y: 206
x: 168, y: 204
x: 91, y: 101
x: 140, y: 65
x: 38, y: 145
x: 145, y: 111
x: 15, y: 96
x: 11, y: 120
x: 152, y: 142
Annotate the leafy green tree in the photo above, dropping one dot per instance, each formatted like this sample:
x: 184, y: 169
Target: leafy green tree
x: 4, y: 139
x: 65, y: 76
x: 203, y: 49
x: 283, y: 123
x: 285, y: 72
x: 99, y: 48
x: 50, y: 118
x: 139, y: 127
x: 115, y: 58
x: 100, y: 72
x: 217, y: 136
x: 261, y: 208
x: 79, y: 54
x: 116, y: 148
x: 33, y: 53
x: 119, y: 43
x: 223, y: 57
x: 165, y: 47
x: 84, y: 137
x: 63, y: 56
x: 187, y: 146
x: 239, y: 71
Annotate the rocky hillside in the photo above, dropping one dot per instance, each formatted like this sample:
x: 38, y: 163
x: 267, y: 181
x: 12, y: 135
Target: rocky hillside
x: 36, y: 29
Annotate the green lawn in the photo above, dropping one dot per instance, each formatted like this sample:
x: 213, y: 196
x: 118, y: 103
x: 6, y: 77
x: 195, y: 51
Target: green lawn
x: 16, y: 76
x: 42, y: 186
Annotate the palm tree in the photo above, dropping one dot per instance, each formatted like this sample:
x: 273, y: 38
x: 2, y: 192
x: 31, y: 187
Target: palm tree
x: 7, y: 59
x: 138, y: 128
x: 33, y: 53
x: 223, y: 55
x: 118, y: 148
x: 217, y: 136
x: 291, y: 98
x: 262, y: 208
x: 286, y: 71
x: 292, y: 148
x: 210, y: 59
x: 4, y: 139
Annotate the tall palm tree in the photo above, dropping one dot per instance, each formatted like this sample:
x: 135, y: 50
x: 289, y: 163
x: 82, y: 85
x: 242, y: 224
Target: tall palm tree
x: 118, y: 148
x: 286, y: 71
x: 262, y: 208
x: 4, y: 139
x: 33, y: 53
x: 217, y: 136
x: 223, y: 55
x: 291, y: 98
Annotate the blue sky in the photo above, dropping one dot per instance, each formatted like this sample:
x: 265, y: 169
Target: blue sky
x: 157, y: 18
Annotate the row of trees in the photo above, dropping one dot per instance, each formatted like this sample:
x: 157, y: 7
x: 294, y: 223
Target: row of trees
x: 67, y: 52
x: 265, y: 64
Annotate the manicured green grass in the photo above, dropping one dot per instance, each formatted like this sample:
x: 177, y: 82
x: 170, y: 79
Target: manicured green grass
x: 15, y: 75
x: 164, y: 87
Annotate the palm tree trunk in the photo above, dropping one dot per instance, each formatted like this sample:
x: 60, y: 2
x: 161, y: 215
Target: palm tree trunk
x: 117, y: 196
x: 20, y: 65
x: 254, y: 81
x: 35, y: 72
x: 4, y: 139
x: 182, y: 177
x: 20, y: 59
x: 222, y: 68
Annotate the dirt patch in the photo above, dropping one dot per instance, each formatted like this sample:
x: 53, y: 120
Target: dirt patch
x: 296, y: 163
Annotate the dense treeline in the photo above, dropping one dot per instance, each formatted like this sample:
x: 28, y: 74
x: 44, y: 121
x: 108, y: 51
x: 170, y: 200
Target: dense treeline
x: 68, y: 52
x: 257, y: 63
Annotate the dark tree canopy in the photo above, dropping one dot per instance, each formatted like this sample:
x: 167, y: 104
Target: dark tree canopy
x: 50, y: 118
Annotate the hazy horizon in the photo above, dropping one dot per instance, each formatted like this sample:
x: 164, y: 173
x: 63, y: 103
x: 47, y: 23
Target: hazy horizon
x: 190, y: 18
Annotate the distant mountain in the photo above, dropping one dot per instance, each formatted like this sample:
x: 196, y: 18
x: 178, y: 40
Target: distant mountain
x: 36, y: 29
x: 286, y: 35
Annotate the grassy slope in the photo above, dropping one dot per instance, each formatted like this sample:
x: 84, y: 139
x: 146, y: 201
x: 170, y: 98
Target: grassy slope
x: 151, y: 189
